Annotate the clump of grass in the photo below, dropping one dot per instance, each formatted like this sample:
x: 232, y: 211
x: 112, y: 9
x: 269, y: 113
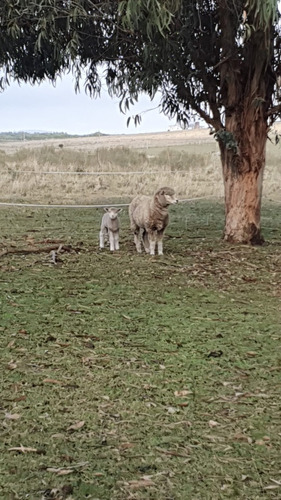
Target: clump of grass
x: 181, y: 160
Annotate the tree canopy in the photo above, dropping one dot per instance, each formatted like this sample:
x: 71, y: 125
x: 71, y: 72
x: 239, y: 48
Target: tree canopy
x: 218, y: 58
x: 195, y: 53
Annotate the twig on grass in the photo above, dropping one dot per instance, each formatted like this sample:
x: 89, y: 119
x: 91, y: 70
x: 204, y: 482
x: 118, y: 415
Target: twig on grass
x: 48, y: 249
x: 172, y: 453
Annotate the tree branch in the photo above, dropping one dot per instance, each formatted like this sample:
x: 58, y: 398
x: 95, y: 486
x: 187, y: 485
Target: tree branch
x: 274, y: 111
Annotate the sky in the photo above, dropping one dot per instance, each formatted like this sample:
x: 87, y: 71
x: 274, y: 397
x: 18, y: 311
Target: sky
x: 46, y: 108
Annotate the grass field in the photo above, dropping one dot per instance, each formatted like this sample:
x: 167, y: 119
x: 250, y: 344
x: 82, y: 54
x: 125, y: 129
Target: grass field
x: 108, y: 167
x: 127, y: 377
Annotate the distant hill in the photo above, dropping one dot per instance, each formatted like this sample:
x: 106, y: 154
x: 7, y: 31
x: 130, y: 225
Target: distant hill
x: 36, y: 136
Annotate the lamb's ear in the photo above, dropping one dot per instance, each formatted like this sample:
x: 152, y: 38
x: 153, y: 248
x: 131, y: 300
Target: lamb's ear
x: 105, y: 209
x: 119, y: 210
x: 161, y: 191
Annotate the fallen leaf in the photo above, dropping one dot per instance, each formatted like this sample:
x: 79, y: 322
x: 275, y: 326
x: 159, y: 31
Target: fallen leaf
x: 20, y: 398
x: 24, y: 449
x: 12, y: 365
x: 76, y: 426
x: 275, y: 481
x: 125, y: 446
x: 150, y: 404
x: 251, y: 354
x: 12, y: 416
x: 52, y: 381
x: 242, y: 438
x: 215, y: 354
x: 213, y: 423
x: 60, y: 472
x: 260, y: 442
x: 225, y: 487
x: 126, y: 317
x: 141, y: 483
x: 182, y: 393
x: 172, y: 410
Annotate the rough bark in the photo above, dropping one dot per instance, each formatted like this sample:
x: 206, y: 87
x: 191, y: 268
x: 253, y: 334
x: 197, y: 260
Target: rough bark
x: 243, y: 170
x: 243, y: 206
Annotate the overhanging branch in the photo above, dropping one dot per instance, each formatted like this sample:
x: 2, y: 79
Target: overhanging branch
x: 274, y: 111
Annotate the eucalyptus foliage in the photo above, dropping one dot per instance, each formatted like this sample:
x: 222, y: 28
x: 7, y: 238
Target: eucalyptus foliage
x: 200, y: 54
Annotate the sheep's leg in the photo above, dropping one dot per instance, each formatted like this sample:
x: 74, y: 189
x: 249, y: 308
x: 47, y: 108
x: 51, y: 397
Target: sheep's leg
x: 160, y: 242
x: 137, y: 240
x: 152, y: 242
x: 111, y: 241
x: 145, y: 240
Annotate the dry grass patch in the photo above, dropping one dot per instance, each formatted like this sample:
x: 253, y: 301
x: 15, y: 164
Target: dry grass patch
x: 26, y: 175
x: 106, y: 167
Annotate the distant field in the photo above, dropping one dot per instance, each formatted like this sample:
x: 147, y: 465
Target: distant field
x: 136, y: 141
x: 117, y: 167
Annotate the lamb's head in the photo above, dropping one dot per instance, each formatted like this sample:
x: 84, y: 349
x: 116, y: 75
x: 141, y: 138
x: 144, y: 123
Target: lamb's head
x: 166, y: 196
x: 113, y: 212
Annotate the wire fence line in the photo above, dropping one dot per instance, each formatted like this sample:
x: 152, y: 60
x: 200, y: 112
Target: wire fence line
x: 35, y: 205
x: 62, y: 172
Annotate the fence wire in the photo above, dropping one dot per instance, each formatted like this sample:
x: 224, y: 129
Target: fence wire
x: 35, y: 205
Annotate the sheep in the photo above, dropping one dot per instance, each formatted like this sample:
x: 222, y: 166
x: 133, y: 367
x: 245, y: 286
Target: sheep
x: 149, y: 218
x: 110, y: 228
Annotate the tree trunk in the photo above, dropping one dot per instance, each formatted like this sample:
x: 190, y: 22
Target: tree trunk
x: 243, y: 167
x: 243, y: 193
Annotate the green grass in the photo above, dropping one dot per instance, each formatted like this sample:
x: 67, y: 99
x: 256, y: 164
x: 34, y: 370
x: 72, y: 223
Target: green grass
x: 105, y: 340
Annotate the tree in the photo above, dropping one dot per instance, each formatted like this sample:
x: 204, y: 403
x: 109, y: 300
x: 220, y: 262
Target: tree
x: 218, y: 58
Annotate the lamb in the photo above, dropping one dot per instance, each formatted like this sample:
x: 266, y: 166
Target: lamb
x: 110, y: 228
x: 149, y: 218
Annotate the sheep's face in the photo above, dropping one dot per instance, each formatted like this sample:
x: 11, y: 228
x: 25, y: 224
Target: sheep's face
x: 167, y: 196
x: 113, y: 212
x: 171, y: 199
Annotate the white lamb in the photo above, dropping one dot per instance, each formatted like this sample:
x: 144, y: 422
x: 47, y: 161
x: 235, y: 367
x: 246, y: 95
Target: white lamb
x: 149, y: 218
x: 110, y: 228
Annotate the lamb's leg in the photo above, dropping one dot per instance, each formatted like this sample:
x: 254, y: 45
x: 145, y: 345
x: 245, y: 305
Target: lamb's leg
x: 116, y: 240
x: 111, y: 241
x: 101, y: 239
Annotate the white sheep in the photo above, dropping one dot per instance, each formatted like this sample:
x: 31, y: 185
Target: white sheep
x: 110, y: 228
x: 149, y: 218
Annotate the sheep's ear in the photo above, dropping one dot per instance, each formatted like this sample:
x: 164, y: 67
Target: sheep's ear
x: 119, y: 210
x: 105, y: 209
x: 162, y: 191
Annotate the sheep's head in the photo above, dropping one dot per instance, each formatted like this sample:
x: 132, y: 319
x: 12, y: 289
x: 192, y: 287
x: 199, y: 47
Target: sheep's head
x: 113, y: 212
x: 166, y: 196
